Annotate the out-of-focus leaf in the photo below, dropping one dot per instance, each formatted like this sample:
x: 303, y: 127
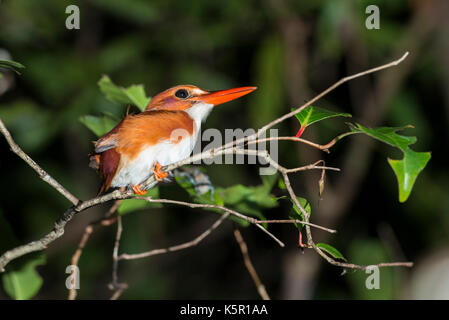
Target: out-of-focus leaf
x: 332, y: 15
x: 133, y: 10
x: 99, y: 125
x: 281, y: 184
x: 130, y: 205
x: 368, y: 252
x: 269, y: 64
x: 11, y: 65
x: 22, y: 281
x: 247, y: 200
x: 31, y: 125
x: 313, y: 114
x: 331, y: 250
x: 406, y: 108
x: 406, y: 169
x: 134, y: 94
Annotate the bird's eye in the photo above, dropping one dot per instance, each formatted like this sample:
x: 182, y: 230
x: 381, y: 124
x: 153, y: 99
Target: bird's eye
x: 182, y: 93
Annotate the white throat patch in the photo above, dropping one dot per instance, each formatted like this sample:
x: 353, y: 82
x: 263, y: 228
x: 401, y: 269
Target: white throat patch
x: 199, y: 112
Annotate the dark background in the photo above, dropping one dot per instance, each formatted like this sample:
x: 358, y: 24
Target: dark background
x: 291, y: 50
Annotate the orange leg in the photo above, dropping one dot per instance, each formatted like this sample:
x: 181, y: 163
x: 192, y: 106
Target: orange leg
x: 158, y: 173
x: 138, y: 191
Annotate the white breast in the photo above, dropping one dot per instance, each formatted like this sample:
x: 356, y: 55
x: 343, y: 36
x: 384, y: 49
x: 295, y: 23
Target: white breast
x: 139, y: 169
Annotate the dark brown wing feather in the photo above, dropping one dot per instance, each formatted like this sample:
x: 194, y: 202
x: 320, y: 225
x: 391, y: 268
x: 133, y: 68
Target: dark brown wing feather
x: 105, y: 159
x: 109, y: 161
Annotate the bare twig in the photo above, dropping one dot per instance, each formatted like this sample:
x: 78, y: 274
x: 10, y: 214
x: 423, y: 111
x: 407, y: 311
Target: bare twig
x: 189, y: 244
x: 296, y: 139
x: 249, y: 265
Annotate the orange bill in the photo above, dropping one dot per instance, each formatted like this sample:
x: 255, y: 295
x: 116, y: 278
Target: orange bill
x: 222, y: 96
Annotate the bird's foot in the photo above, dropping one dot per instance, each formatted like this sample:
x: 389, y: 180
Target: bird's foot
x: 158, y: 173
x: 137, y: 190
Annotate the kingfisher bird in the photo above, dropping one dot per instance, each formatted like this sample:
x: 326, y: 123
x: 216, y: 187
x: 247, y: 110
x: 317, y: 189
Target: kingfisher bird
x: 165, y: 133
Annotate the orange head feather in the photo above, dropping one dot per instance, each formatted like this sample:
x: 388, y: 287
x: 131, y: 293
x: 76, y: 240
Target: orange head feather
x: 185, y: 96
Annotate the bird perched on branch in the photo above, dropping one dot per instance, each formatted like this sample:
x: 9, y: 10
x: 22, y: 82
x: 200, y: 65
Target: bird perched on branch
x: 165, y: 133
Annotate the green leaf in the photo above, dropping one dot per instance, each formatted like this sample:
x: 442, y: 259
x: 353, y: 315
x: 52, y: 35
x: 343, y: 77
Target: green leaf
x: 11, y: 65
x: 331, y: 250
x: 134, y: 94
x: 313, y: 114
x: 99, y: 125
x: 281, y: 184
x: 130, y: 205
x: 387, y: 135
x: 406, y: 169
x: 22, y: 281
x: 297, y: 214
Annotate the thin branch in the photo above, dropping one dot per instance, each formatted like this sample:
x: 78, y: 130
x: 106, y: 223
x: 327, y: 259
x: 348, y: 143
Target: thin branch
x: 296, y: 221
x: 296, y: 139
x: 235, y: 213
x: 356, y: 266
x: 189, y: 244
x: 41, y: 172
x: 213, y: 206
x: 311, y: 167
x: 115, y: 285
x: 249, y: 265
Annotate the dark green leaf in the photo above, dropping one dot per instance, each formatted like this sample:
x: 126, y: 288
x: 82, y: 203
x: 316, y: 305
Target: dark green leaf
x: 313, y: 114
x: 22, y: 281
x: 134, y: 94
x: 386, y: 134
x: 331, y: 250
